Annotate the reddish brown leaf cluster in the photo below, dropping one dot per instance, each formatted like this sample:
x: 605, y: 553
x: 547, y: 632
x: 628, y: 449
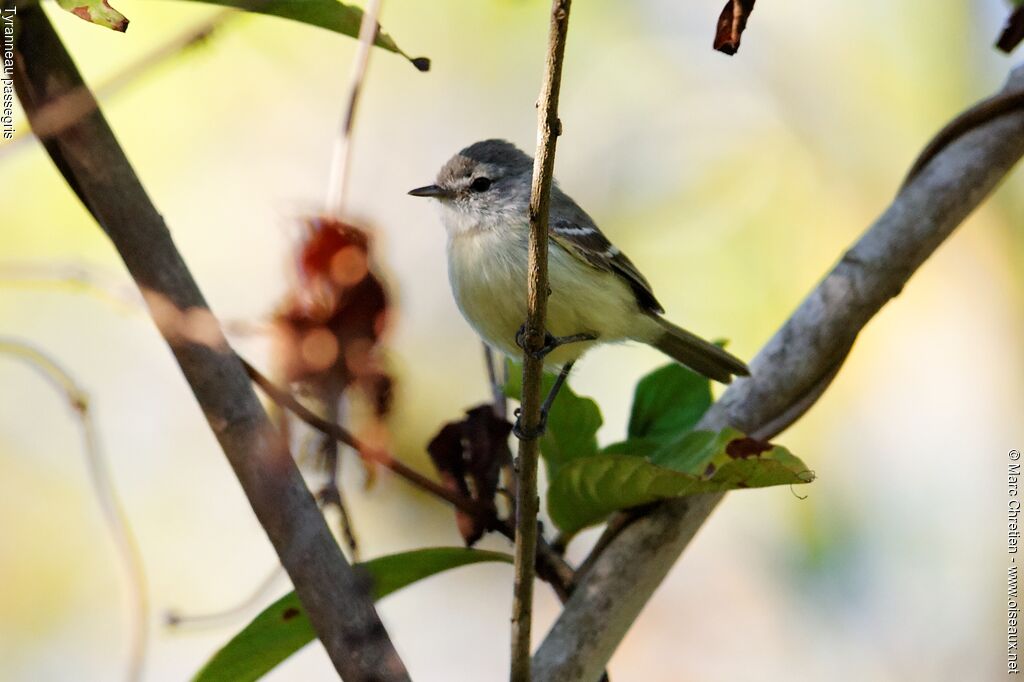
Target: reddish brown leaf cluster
x: 1013, y: 31
x: 327, y: 328
x: 470, y: 454
x: 731, y: 23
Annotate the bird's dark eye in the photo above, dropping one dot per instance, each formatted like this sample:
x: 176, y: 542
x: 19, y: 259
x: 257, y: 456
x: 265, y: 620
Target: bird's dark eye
x: 480, y: 184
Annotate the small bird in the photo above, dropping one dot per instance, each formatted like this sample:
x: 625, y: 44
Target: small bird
x: 596, y: 296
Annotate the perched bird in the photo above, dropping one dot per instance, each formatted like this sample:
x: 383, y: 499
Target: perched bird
x: 597, y: 294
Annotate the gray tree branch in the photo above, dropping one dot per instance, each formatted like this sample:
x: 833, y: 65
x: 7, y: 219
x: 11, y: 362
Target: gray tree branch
x: 337, y: 601
x: 787, y: 376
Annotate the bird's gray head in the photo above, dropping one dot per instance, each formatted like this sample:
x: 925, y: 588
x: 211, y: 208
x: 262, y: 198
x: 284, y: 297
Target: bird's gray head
x: 485, y: 185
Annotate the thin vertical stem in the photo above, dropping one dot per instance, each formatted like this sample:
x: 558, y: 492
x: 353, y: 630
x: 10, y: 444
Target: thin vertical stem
x: 338, y: 182
x: 527, y: 502
x: 497, y: 381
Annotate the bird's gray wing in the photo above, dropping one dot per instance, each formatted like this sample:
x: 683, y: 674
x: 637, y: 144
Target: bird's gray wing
x: 579, y: 236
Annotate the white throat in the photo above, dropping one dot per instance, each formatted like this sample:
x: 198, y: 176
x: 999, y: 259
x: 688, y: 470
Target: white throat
x: 462, y: 219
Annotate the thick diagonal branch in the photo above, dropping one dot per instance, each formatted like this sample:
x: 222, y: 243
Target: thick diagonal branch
x: 338, y: 603
x: 788, y: 375
x: 527, y: 501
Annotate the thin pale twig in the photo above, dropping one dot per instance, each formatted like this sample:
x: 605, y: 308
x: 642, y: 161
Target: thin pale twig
x: 492, y: 361
x: 78, y: 277
x: 227, y: 615
x: 337, y: 184
x: 103, y: 486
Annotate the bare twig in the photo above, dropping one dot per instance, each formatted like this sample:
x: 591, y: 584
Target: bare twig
x: 527, y: 501
x: 175, y: 618
x: 84, y: 278
x: 794, y: 365
x: 550, y: 567
x: 342, y: 435
x: 337, y: 184
x: 330, y: 495
x: 339, y: 605
x: 114, y: 516
x: 497, y: 382
x: 71, y: 277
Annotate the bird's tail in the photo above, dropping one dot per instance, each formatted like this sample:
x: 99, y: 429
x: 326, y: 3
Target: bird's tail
x: 696, y: 353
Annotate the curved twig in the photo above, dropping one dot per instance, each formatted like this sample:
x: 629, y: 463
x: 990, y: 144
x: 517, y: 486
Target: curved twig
x: 113, y: 515
x: 175, y: 618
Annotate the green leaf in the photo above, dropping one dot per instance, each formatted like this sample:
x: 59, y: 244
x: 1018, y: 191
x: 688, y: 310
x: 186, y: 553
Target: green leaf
x: 586, y: 491
x: 668, y: 402
x: 283, y: 628
x: 572, y: 422
x: 329, y: 14
x: 96, y: 12
x: 635, y: 447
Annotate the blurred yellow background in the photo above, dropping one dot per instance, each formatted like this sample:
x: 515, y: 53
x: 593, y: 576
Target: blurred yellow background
x: 733, y: 183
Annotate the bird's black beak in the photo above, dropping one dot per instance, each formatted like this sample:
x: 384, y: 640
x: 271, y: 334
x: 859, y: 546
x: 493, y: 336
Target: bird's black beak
x: 430, y: 191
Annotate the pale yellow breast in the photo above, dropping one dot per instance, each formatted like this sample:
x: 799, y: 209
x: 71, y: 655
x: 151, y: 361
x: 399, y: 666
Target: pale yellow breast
x: 487, y: 270
x: 488, y: 279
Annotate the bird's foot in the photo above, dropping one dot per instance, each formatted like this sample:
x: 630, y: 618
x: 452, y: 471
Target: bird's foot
x: 528, y: 434
x: 545, y: 407
x: 551, y: 342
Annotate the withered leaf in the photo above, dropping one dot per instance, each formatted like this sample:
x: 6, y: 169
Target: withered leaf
x: 1013, y: 31
x: 470, y: 454
x: 329, y: 323
x: 97, y: 12
x: 731, y: 23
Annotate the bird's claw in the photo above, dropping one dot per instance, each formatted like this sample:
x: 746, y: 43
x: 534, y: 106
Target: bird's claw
x: 551, y: 342
x: 528, y: 434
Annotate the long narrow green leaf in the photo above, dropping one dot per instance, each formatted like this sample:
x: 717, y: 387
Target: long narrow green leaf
x: 283, y: 628
x: 329, y: 14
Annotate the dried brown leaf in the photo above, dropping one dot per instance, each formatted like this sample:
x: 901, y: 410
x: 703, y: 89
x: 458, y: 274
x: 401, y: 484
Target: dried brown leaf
x: 731, y: 23
x: 1013, y: 31
x: 470, y: 454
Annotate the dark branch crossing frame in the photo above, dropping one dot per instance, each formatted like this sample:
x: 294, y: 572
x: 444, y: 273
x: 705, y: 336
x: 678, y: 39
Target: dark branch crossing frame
x: 337, y: 600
